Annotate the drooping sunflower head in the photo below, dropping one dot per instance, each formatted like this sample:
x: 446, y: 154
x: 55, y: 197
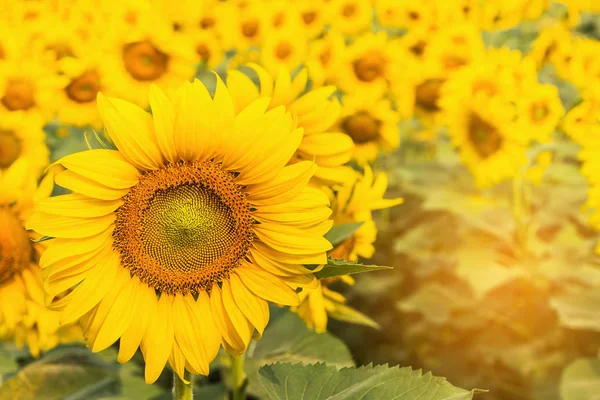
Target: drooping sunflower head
x: 186, y: 229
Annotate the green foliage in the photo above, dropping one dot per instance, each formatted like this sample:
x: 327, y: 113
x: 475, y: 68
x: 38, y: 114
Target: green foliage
x: 321, y: 381
x: 337, y: 234
x: 339, y: 267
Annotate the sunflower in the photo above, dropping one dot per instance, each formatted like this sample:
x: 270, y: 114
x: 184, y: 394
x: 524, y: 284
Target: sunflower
x: 553, y: 45
x: 581, y: 122
x: 177, y: 240
x: 371, y: 124
x: 22, y: 137
x: 147, y: 53
x: 350, y: 17
x: 311, y: 17
x: 351, y: 203
x: 243, y: 28
x: 285, y: 48
x: 315, y: 111
x: 369, y: 64
x: 540, y: 111
x: 485, y: 131
x: 403, y: 14
x: 27, y: 86
x: 23, y: 316
x: 324, y: 58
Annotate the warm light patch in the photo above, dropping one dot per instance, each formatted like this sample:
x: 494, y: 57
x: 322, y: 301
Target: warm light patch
x: 369, y: 67
x: 184, y: 227
x: 10, y: 148
x: 361, y: 127
x: 15, y: 246
x: 484, y: 137
x: 19, y: 95
x: 84, y: 88
x: 144, y: 61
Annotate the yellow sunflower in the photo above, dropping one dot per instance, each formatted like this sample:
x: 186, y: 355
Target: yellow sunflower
x: 350, y: 17
x: 485, y: 131
x: 22, y: 137
x: 581, y: 122
x: 553, y: 45
x: 147, y: 53
x: 245, y: 27
x: 370, y: 63
x: 371, y: 124
x: 23, y: 315
x: 285, y: 48
x: 177, y: 240
x: 315, y: 112
x: 324, y: 58
x: 540, y: 111
x: 404, y: 14
x: 311, y: 17
x: 27, y: 86
x: 351, y: 203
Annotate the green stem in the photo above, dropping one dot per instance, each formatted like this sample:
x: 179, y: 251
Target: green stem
x: 182, y: 390
x: 238, y: 377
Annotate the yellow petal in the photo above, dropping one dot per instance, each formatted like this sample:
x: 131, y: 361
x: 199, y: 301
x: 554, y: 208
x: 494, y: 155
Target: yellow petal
x: 267, y: 286
x: 158, y: 341
x: 107, y: 167
x: 132, y: 130
x: 68, y: 227
x: 57, y: 248
x: 290, y: 181
x: 79, y: 184
x: 163, y: 115
x: 250, y: 305
x: 132, y: 337
x: 223, y: 323
x: 187, y: 336
x: 77, y: 205
x: 291, y: 239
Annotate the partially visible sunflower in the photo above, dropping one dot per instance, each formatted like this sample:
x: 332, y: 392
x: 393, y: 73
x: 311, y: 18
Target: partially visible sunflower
x: 242, y: 28
x: 371, y: 123
x: 404, y: 14
x: 144, y: 54
x: 324, y: 58
x: 23, y: 315
x: 176, y: 241
x: 351, y: 203
x: 311, y: 17
x: 22, y: 137
x: 315, y: 111
x: 540, y: 111
x: 285, y: 48
x: 351, y: 17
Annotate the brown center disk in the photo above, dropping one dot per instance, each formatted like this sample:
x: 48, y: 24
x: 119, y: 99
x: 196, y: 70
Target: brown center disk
x: 19, y: 95
x: 361, y: 127
x: 369, y: 67
x: 428, y: 94
x: 184, y: 227
x: 10, y: 148
x: 84, y: 88
x: 484, y: 137
x: 15, y: 246
x: 144, y: 61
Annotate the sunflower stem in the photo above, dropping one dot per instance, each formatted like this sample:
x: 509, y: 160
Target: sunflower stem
x: 238, y: 377
x: 182, y: 390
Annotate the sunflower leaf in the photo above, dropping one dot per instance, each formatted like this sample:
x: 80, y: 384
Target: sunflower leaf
x: 321, y: 381
x: 339, y: 267
x: 339, y: 233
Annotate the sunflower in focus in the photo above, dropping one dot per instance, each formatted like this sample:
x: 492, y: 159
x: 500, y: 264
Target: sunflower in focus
x: 315, y: 111
x: 147, y: 53
x: 22, y: 137
x: 372, y: 125
x: 176, y: 241
x: 351, y: 203
x: 23, y: 315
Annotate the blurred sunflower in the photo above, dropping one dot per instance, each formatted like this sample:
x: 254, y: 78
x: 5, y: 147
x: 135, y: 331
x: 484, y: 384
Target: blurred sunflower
x: 351, y: 203
x: 242, y: 28
x: 285, y: 48
x: 315, y: 111
x: 22, y: 137
x: 144, y: 54
x: 350, y: 17
x: 540, y: 111
x: 23, y: 315
x: 311, y: 17
x: 324, y: 57
x: 198, y: 206
x: 404, y: 14
x: 371, y: 123
x: 28, y: 86
x: 368, y: 65
x: 485, y: 131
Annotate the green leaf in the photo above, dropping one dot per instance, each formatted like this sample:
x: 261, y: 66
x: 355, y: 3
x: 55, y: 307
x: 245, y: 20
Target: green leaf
x: 287, y: 339
x: 581, y: 380
x: 338, y: 234
x: 339, y: 267
x: 68, y: 373
x: 320, y: 381
x: 348, y: 314
x: 579, y: 310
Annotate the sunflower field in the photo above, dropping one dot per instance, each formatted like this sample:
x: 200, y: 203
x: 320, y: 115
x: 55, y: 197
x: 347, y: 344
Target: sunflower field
x: 300, y: 199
